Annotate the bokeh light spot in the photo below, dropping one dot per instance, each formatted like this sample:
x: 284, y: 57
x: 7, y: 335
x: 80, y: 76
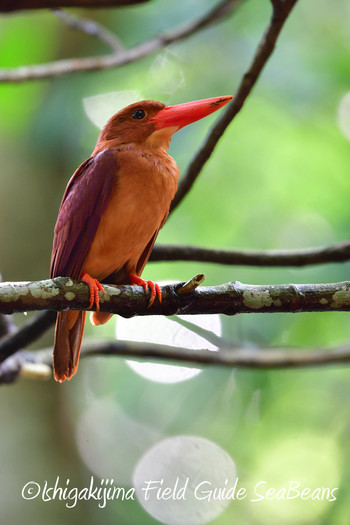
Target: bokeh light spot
x: 100, y: 108
x: 192, y: 467
x: 158, y: 329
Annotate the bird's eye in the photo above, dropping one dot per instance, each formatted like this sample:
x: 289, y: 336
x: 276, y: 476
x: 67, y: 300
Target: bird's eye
x: 138, y: 114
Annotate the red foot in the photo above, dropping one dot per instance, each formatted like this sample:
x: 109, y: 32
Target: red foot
x: 94, y: 287
x: 154, y: 287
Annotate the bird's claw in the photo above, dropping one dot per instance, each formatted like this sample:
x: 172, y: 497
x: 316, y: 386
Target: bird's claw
x: 155, y: 291
x: 94, y: 286
x: 154, y: 288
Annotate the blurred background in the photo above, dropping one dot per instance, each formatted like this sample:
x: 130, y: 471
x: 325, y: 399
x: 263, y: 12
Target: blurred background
x: 279, y: 178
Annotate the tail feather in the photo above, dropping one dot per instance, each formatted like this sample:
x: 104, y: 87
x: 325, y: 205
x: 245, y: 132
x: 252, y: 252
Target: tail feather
x: 68, y: 336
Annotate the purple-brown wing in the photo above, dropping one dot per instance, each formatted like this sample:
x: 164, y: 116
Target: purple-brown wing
x: 83, y: 204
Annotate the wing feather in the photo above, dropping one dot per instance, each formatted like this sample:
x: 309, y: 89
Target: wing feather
x: 83, y: 204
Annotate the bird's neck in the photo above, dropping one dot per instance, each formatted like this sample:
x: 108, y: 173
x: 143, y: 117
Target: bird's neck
x: 157, y: 141
x: 150, y: 146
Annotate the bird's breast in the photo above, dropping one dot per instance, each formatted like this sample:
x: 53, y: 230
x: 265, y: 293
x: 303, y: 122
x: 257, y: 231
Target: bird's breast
x: 145, y: 185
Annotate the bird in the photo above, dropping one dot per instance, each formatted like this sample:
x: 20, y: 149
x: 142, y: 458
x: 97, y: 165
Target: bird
x: 112, y: 210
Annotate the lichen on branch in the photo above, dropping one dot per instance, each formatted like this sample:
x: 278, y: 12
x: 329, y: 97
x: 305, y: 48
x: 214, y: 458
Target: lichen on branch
x: 231, y: 298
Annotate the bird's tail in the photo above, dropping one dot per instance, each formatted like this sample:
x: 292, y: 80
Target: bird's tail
x: 68, y: 336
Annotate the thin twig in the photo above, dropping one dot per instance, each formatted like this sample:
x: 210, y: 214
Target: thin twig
x: 334, y: 253
x: 191, y: 285
x: 75, y: 65
x: 281, y: 11
x: 91, y: 28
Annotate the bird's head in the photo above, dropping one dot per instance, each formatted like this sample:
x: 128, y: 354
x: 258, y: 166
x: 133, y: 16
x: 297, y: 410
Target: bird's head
x: 153, y: 123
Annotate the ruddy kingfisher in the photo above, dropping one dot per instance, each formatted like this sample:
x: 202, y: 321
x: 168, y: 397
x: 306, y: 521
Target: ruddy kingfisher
x: 112, y: 210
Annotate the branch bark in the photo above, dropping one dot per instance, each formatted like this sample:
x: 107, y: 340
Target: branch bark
x: 281, y: 11
x: 335, y: 253
x: 121, y: 57
x: 7, y: 326
x: 17, y: 5
x: 231, y: 298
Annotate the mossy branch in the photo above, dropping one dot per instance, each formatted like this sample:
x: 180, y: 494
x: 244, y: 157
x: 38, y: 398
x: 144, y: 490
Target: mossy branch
x: 230, y: 298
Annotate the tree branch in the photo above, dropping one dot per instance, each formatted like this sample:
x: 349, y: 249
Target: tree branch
x: 91, y: 28
x: 34, y: 365
x: 231, y: 298
x: 232, y: 357
x: 281, y: 11
x: 16, y: 5
x: 335, y: 253
x: 119, y: 58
